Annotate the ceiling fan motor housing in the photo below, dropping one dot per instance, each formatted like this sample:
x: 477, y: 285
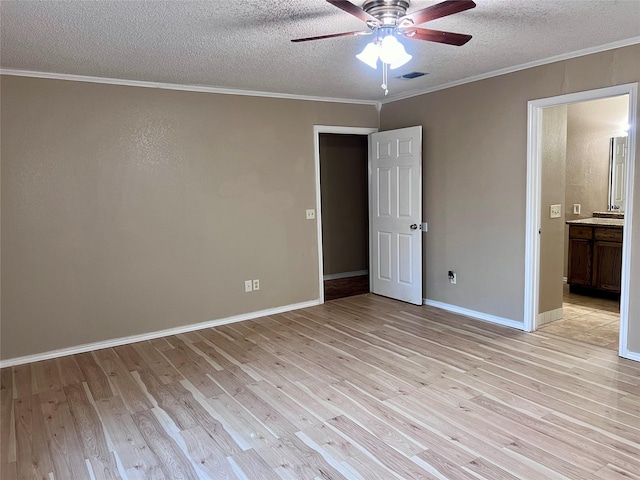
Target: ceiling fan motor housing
x: 387, y: 11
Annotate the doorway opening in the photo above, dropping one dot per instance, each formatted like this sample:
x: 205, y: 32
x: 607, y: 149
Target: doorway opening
x: 577, y: 263
x: 342, y: 204
x: 345, y: 214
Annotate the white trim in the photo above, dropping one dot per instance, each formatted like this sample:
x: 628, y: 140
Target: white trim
x: 632, y: 356
x: 474, y: 314
x: 355, y: 273
x: 504, y: 71
x: 87, y: 347
x: 181, y: 87
x: 550, y: 316
x: 317, y: 130
x: 532, y: 240
x: 532, y: 215
x: 377, y: 103
x: 627, y: 244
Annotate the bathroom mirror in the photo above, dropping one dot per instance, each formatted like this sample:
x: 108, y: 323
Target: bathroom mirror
x: 617, y: 173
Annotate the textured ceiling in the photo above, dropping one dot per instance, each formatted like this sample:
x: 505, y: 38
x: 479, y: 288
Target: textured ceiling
x: 245, y: 44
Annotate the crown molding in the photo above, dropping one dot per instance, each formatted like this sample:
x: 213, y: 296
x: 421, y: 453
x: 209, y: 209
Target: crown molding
x: 537, y: 63
x: 180, y: 87
x: 377, y: 103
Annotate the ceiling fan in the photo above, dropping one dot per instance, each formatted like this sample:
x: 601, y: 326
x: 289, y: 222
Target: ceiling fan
x: 386, y: 19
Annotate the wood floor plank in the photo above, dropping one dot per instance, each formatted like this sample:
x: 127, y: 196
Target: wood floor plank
x: 292, y: 458
x: 359, y: 388
x: 294, y: 412
x: 129, y: 390
x: 173, y: 461
x: 70, y: 370
x: 210, y: 459
x: 95, y: 377
x: 212, y: 427
x: 22, y: 380
x: 388, y: 457
x: 33, y: 459
x: 137, y: 458
x: 194, y: 367
x: 360, y: 413
x: 91, y: 434
x: 166, y: 400
x: 46, y: 375
x: 7, y: 433
x: 64, y: 445
x: 448, y: 469
x: 157, y: 362
x: 254, y: 466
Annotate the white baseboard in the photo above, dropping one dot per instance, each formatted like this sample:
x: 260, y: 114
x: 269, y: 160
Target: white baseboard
x: 335, y: 276
x: 88, y: 347
x: 630, y: 355
x: 550, y: 316
x: 474, y: 314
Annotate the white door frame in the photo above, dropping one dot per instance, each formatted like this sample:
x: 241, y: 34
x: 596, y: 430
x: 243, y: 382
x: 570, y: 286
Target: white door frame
x: 534, y: 172
x: 317, y: 130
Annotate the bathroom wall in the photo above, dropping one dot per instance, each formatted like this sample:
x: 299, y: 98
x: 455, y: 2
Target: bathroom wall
x: 590, y: 126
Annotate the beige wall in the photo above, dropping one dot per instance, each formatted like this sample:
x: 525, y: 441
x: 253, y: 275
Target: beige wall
x: 590, y: 126
x: 130, y: 210
x: 552, y: 186
x: 474, y: 156
x: 345, y: 206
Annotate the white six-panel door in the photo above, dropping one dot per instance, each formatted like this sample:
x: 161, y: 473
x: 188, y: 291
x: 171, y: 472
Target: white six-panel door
x: 396, y: 214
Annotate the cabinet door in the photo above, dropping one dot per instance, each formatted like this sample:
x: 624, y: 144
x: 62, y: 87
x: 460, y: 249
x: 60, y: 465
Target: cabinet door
x: 580, y: 254
x: 607, y: 266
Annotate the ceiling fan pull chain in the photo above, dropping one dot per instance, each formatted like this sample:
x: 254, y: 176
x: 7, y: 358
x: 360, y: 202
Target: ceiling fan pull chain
x: 385, y: 67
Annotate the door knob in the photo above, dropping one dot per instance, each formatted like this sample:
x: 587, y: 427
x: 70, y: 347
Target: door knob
x: 414, y: 227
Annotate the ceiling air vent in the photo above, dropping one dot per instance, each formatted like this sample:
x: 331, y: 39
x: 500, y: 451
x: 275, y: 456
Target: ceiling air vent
x: 411, y: 76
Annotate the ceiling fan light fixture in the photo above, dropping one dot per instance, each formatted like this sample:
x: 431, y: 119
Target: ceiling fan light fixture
x: 392, y: 52
x: 370, y: 55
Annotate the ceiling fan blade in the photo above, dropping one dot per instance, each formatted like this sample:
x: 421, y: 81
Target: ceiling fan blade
x: 438, y: 10
x: 449, y: 38
x: 354, y: 10
x: 333, y: 35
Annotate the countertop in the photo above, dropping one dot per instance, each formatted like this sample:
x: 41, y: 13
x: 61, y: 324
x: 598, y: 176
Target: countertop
x: 598, y: 222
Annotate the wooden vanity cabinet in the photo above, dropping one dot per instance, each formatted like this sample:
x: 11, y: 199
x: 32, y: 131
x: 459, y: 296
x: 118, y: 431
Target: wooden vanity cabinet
x: 595, y: 257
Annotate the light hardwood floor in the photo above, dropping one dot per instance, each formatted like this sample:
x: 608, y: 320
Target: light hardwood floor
x: 358, y: 388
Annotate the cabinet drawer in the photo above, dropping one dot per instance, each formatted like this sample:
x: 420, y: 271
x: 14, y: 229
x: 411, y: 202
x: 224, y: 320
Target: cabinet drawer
x: 580, y: 232
x: 608, y: 234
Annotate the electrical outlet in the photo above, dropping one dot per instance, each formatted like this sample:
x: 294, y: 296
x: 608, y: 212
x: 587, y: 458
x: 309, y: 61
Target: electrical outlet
x: 256, y: 285
x: 555, y: 211
x: 453, y: 278
x: 311, y: 213
x: 247, y: 286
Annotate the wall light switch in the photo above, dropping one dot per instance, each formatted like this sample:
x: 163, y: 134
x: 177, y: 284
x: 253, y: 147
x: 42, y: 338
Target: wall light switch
x: 247, y: 286
x: 555, y: 211
x: 576, y: 208
x: 311, y: 213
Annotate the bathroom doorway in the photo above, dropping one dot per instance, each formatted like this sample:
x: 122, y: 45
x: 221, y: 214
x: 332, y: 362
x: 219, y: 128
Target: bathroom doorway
x: 577, y: 142
x: 563, y: 296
